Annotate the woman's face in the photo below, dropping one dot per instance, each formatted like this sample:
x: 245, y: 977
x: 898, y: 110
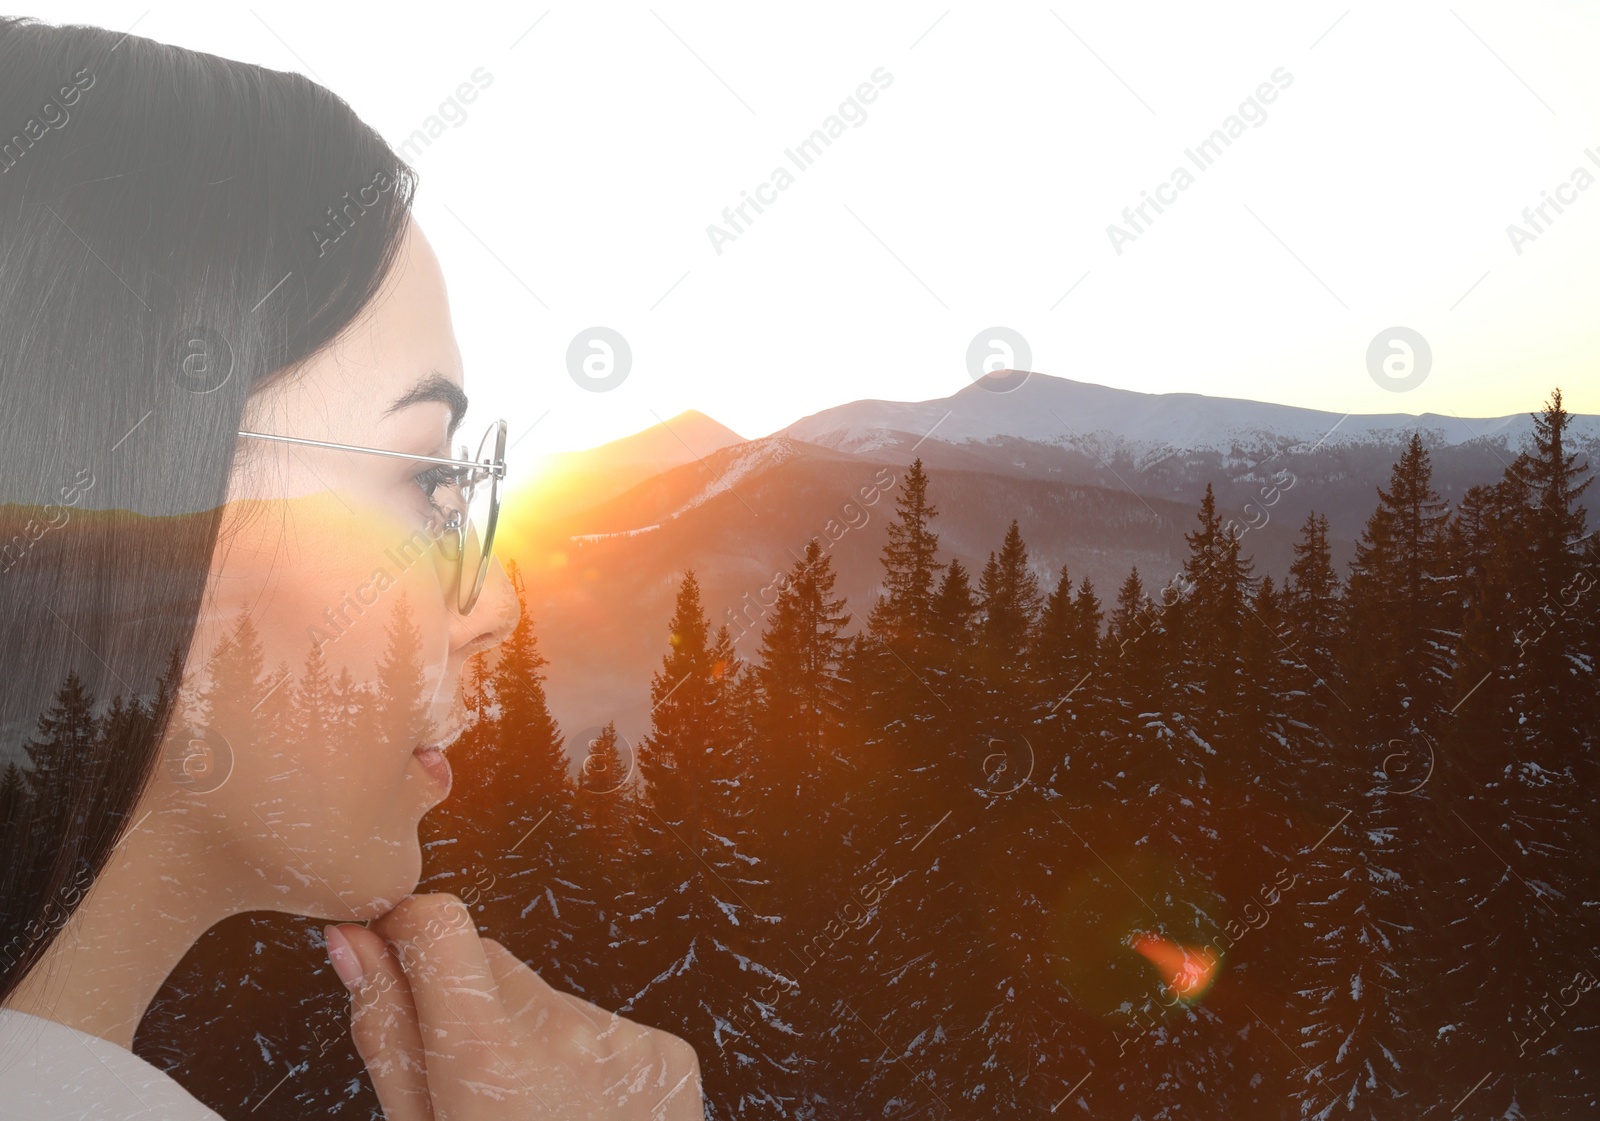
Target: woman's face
x: 297, y: 786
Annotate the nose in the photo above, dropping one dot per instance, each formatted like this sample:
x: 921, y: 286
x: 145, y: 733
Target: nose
x: 492, y: 619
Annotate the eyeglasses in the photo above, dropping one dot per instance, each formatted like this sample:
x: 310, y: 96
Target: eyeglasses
x: 471, y: 503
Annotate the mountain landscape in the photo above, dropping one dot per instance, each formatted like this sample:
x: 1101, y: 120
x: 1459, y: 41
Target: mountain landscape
x: 1235, y: 838
x: 1100, y: 480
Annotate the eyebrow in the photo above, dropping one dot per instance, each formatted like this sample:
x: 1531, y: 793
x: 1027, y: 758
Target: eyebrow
x: 434, y: 387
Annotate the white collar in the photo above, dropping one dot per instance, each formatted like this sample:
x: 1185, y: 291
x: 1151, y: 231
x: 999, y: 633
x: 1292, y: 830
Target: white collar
x: 52, y: 1072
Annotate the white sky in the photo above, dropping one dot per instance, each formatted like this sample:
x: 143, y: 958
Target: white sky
x: 976, y: 193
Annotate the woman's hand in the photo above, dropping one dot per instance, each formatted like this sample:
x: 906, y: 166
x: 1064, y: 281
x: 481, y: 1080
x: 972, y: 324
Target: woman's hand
x: 453, y: 1027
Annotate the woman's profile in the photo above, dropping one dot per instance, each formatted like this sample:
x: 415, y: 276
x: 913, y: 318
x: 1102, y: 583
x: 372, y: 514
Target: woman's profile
x: 232, y: 430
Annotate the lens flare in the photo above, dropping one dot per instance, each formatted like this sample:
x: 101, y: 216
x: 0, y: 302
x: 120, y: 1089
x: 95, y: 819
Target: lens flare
x: 1186, y: 972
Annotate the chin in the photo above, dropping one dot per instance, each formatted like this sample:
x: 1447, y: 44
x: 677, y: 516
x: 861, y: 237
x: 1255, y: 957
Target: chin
x: 370, y: 886
x: 402, y: 872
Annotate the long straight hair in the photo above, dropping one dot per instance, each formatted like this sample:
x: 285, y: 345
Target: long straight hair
x: 177, y: 231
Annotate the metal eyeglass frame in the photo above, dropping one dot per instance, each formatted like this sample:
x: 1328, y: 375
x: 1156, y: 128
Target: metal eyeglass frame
x: 490, y: 469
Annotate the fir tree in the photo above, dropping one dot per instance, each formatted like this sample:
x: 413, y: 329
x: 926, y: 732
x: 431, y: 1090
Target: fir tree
x: 14, y: 800
x: 606, y: 788
x: 910, y: 565
x: 607, y: 807
x: 64, y: 741
x: 1011, y: 601
x: 1063, y: 659
x: 1057, y: 636
x: 1210, y: 622
x: 1313, y: 610
x: 1367, y: 894
x: 800, y: 693
x: 696, y: 920
x: 1515, y: 801
x: 530, y: 752
x: 955, y: 612
x: 476, y: 692
x: 1090, y: 618
x: 514, y: 821
x: 16, y: 818
x: 897, y: 668
x: 1398, y: 586
x: 401, y: 704
x: 352, y: 707
x: 314, y: 717
x: 1134, y: 645
x: 1551, y: 568
x: 235, y: 684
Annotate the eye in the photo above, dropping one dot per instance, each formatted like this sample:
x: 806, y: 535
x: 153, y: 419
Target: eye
x: 441, y: 476
x: 431, y: 480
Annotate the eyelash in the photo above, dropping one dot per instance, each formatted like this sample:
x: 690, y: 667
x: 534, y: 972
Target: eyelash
x: 435, y: 477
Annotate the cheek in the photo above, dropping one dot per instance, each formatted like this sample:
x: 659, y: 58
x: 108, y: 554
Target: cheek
x: 310, y: 572
x: 318, y: 815
x: 319, y: 701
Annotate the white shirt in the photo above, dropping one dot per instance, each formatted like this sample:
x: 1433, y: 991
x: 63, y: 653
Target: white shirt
x: 50, y: 1072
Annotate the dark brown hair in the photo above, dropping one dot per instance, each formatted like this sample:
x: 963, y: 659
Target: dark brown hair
x: 177, y: 230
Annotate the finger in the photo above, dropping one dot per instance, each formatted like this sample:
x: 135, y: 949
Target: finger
x: 533, y: 1002
x: 644, y: 1067
x: 436, y: 942
x: 458, y: 1005
x: 383, y: 1023
x: 521, y: 989
x: 599, y: 1050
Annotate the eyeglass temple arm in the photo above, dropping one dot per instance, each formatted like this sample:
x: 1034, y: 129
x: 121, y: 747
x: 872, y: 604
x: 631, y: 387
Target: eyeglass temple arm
x: 496, y: 469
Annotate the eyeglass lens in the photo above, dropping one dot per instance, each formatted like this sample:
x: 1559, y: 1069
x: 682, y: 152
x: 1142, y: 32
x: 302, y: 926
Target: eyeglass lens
x: 482, y: 497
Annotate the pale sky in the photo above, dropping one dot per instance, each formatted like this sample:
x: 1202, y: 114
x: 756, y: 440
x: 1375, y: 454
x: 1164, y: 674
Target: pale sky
x: 975, y: 191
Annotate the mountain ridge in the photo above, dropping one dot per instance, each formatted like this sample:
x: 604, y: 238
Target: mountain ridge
x: 1040, y: 407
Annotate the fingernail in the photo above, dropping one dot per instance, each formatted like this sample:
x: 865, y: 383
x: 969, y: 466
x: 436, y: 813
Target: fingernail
x: 345, y: 962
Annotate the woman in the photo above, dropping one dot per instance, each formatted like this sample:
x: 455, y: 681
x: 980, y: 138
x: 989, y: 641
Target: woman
x: 229, y: 389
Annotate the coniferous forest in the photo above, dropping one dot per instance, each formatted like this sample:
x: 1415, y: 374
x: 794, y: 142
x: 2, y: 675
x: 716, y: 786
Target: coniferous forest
x: 1318, y: 843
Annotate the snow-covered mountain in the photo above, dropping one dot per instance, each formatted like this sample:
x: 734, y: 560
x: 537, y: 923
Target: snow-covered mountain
x: 1100, y: 479
x: 1060, y: 411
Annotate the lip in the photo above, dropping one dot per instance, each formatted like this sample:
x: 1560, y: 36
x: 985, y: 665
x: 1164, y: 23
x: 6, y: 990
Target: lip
x: 431, y: 758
